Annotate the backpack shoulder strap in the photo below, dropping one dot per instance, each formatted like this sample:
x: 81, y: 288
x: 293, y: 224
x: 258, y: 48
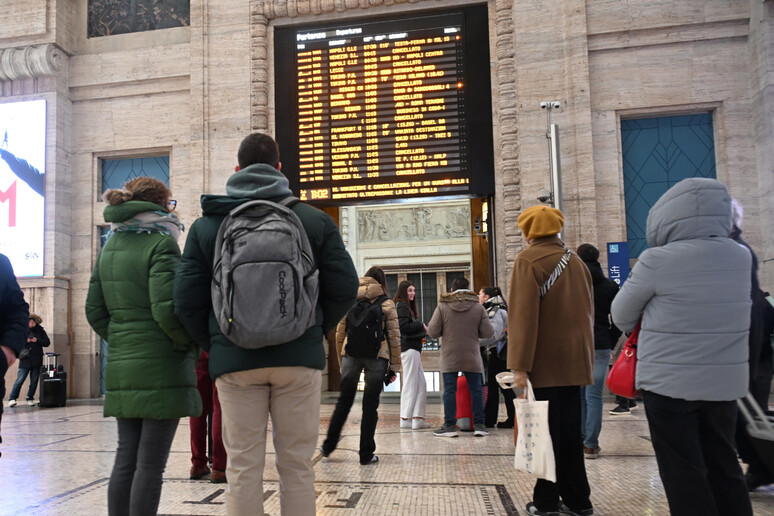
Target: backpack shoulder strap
x: 290, y: 201
x: 563, y: 261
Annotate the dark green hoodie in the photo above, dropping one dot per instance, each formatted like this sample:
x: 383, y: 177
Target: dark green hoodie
x: 193, y: 303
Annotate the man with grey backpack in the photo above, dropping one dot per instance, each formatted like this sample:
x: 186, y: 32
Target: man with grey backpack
x: 551, y: 343
x: 262, y: 279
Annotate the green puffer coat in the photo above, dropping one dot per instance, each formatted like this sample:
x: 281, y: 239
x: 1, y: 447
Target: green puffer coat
x: 151, y: 358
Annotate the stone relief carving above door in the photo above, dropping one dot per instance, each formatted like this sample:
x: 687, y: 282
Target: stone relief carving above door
x: 413, y: 223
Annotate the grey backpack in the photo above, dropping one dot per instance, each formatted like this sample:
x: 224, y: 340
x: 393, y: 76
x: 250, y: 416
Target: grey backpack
x: 264, y: 280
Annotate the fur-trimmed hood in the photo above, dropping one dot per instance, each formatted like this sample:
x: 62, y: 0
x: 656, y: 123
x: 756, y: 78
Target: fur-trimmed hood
x: 460, y: 300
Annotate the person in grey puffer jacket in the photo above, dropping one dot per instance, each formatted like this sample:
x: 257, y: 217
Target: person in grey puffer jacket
x: 692, y: 290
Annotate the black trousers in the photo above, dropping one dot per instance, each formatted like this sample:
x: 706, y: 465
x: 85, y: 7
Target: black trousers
x: 3, y: 370
x: 564, y: 422
x: 492, y: 405
x: 375, y: 369
x: 694, y: 445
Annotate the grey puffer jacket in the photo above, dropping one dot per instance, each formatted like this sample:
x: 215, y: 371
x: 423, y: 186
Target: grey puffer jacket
x: 692, y: 287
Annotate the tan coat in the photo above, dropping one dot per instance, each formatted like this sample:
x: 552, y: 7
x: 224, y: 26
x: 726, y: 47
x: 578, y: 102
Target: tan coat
x: 390, y: 349
x: 461, y: 320
x: 552, y: 339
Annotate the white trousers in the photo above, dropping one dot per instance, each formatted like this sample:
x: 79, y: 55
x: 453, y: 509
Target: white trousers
x: 291, y: 395
x: 413, y: 397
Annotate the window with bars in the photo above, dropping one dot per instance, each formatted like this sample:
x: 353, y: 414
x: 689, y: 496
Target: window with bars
x: 116, y: 172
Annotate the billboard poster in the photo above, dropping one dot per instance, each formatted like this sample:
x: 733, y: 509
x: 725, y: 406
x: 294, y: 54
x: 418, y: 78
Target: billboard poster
x: 618, y: 262
x: 22, y: 184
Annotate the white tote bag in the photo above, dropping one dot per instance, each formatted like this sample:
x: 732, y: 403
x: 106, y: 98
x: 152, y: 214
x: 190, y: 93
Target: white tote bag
x: 534, y: 449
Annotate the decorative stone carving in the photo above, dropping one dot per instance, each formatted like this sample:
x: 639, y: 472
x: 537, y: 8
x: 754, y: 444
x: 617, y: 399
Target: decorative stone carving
x: 30, y: 62
x: 413, y: 223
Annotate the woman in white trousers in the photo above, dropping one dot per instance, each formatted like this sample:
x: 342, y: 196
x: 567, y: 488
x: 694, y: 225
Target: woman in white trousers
x: 413, y: 397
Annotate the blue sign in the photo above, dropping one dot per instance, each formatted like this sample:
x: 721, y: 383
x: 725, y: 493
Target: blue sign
x: 618, y: 262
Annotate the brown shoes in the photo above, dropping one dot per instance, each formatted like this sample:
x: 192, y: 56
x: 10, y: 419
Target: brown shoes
x: 218, y: 477
x: 199, y: 473
x: 591, y: 453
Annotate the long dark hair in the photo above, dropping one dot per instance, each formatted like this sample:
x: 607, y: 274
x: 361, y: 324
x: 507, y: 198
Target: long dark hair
x: 494, y: 292
x: 378, y: 274
x: 402, y: 297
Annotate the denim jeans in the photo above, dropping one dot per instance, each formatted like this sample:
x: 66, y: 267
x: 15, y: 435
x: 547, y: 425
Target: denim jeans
x: 591, y: 400
x: 34, y: 374
x: 143, y: 449
x: 450, y: 397
x: 375, y: 369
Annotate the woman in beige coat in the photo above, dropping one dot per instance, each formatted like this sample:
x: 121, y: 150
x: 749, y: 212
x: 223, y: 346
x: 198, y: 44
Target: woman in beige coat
x: 355, y: 357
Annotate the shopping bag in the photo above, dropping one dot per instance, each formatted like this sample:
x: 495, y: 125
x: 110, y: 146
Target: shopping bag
x: 534, y: 449
x: 620, y: 379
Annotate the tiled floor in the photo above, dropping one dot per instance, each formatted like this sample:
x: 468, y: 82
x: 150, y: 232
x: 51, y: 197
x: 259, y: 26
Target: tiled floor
x: 57, y: 461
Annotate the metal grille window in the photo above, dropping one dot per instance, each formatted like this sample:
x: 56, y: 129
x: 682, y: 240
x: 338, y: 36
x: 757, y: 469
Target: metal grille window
x: 116, y: 172
x: 657, y: 154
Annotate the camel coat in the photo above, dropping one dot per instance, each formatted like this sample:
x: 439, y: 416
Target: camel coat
x: 552, y: 338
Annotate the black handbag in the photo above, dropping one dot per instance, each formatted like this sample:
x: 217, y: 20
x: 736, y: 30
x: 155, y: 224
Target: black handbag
x: 25, y: 353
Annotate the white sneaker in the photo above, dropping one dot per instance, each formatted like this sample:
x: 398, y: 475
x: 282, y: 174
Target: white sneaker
x: 419, y: 424
x: 405, y: 423
x: 11, y: 403
x: 31, y: 403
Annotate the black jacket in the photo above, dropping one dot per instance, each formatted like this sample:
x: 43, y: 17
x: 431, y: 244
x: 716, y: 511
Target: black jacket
x: 14, y: 311
x: 36, y: 348
x: 412, y: 331
x: 605, y: 332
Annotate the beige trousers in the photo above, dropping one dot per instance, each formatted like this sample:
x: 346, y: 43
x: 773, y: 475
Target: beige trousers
x: 291, y: 395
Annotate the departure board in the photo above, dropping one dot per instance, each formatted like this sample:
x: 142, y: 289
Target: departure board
x: 380, y: 109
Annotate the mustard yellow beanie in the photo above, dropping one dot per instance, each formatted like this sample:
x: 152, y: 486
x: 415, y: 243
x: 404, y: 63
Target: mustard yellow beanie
x: 540, y: 221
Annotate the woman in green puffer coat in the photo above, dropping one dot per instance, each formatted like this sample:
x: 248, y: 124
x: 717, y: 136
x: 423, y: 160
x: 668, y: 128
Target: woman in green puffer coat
x: 150, y: 376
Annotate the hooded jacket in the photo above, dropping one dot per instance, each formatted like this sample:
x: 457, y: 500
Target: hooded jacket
x: 461, y: 320
x: 692, y: 287
x: 390, y: 348
x: 151, y: 358
x: 338, y: 279
x: 35, y: 360
x: 551, y: 338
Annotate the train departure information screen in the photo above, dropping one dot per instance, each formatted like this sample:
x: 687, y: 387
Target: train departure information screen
x: 381, y: 110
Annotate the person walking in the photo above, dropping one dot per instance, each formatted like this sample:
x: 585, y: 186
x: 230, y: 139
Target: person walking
x: 13, y: 322
x: 386, y: 357
x: 199, y: 425
x: 551, y: 342
x: 150, y: 378
x: 461, y: 321
x: 605, y: 337
x: 32, y: 361
x: 691, y: 291
x: 413, y: 396
x: 281, y: 381
x: 497, y: 311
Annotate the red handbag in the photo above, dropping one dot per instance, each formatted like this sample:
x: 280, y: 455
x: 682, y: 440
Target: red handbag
x: 620, y: 379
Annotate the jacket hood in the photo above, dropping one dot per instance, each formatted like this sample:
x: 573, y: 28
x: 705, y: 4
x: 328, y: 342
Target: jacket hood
x: 127, y: 210
x: 694, y: 208
x: 258, y: 181
x: 597, y: 276
x: 460, y: 300
x: 369, y: 289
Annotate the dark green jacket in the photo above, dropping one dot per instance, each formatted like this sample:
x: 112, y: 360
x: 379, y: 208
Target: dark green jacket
x: 151, y: 358
x: 338, y: 285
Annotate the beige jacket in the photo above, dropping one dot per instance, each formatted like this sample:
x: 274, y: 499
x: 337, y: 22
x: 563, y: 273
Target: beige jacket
x: 371, y: 289
x: 461, y: 320
x: 552, y: 338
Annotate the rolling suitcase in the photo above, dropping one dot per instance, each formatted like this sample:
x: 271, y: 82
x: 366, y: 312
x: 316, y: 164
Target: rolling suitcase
x: 53, y: 383
x: 464, y: 405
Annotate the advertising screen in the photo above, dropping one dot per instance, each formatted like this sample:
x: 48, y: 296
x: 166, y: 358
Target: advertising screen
x: 386, y: 109
x: 22, y: 184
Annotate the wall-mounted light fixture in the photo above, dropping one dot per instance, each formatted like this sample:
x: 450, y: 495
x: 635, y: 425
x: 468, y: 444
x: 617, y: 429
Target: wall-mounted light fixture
x: 481, y: 224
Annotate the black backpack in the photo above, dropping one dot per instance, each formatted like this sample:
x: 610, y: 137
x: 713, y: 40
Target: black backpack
x: 365, y: 328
